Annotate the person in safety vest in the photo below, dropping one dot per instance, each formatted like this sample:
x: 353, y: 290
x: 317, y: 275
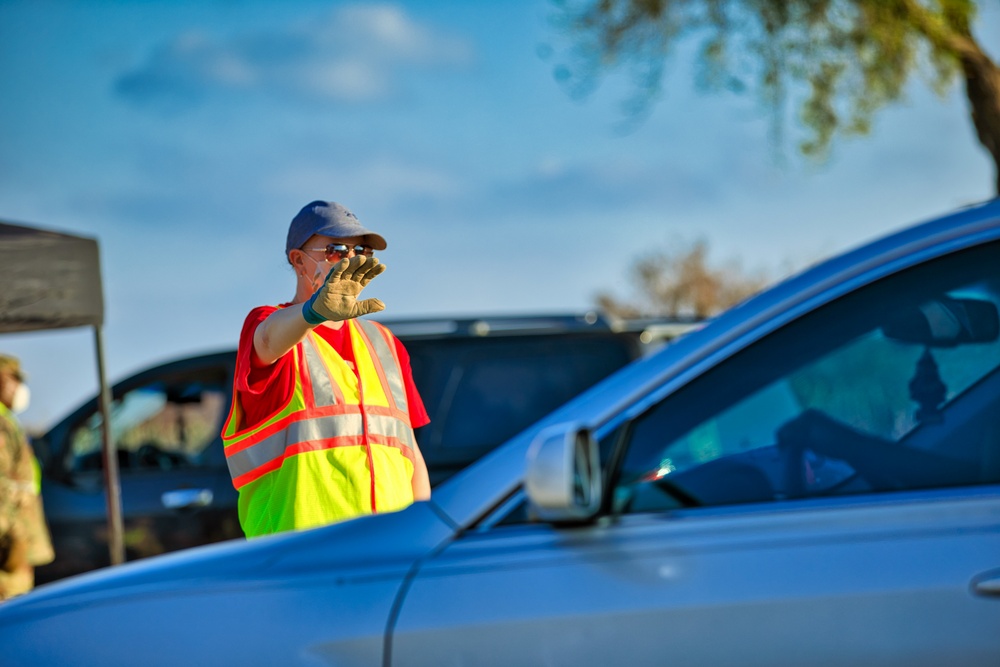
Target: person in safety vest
x: 24, y: 537
x: 324, y: 404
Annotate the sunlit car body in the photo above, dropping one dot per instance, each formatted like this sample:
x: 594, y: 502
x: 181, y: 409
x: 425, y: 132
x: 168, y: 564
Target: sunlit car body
x: 813, y: 478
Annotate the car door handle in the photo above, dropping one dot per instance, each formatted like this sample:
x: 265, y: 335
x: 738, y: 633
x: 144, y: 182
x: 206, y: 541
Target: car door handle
x: 182, y: 499
x: 987, y: 584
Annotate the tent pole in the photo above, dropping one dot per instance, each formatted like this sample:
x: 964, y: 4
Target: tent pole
x: 116, y: 544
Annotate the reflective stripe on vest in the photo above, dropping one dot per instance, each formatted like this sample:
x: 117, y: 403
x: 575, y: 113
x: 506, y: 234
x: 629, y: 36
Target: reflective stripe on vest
x: 269, y: 452
x: 376, y: 340
x: 331, y: 406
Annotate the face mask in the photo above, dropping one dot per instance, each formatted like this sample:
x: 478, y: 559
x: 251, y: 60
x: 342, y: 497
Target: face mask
x: 22, y: 396
x: 319, y: 275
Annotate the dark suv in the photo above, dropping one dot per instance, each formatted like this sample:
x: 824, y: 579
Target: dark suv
x: 482, y: 381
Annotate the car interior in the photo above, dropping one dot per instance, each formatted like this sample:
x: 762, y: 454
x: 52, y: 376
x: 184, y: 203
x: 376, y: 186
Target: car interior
x: 894, y: 388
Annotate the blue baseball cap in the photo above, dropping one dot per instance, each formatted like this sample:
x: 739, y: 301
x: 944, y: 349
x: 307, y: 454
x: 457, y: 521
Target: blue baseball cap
x: 328, y: 218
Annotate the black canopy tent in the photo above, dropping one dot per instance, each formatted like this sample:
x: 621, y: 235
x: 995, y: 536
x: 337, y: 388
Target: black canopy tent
x: 50, y: 280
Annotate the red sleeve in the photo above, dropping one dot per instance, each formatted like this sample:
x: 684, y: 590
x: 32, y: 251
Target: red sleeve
x: 418, y: 413
x: 262, y: 390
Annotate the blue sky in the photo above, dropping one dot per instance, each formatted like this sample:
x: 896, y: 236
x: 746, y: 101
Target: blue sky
x: 185, y: 135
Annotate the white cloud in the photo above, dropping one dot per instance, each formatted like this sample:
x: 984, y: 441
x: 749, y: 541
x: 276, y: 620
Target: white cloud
x: 551, y: 166
x: 386, y: 31
x: 346, y: 80
x: 358, y: 54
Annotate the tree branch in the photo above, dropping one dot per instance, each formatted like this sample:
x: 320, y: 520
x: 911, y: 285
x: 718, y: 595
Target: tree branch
x: 940, y: 35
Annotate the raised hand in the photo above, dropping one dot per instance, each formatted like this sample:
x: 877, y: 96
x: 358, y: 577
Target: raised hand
x: 337, y: 299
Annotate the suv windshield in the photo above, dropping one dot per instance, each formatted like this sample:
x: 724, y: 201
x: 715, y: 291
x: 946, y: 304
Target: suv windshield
x: 480, y: 392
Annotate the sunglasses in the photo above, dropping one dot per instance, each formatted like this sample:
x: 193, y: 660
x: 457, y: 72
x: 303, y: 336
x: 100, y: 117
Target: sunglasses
x: 340, y: 250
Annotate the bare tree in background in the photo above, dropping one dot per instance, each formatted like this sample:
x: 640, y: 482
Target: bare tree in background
x: 681, y: 283
x: 848, y: 58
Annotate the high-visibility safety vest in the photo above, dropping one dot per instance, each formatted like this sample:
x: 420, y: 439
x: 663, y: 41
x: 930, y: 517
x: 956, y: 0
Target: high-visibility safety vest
x: 341, y: 447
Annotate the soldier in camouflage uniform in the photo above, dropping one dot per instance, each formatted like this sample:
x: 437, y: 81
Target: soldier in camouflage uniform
x: 24, y: 537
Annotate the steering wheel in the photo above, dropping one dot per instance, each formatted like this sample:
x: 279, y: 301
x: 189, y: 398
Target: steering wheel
x: 151, y: 456
x: 815, y: 431
x: 793, y: 466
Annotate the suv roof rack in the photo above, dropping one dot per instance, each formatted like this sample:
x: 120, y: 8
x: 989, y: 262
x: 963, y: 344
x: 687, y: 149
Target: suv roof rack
x: 652, y: 329
x: 499, y: 325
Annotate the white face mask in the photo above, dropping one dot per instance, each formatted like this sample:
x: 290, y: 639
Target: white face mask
x: 322, y: 271
x: 21, y: 399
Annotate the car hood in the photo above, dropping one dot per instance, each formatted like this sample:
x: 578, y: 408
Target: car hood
x: 384, y: 545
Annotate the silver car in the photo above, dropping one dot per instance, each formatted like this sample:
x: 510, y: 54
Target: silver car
x: 811, y: 479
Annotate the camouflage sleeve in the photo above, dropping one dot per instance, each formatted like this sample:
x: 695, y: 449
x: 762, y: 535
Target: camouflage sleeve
x: 30, y: 521
x: 8, y: 490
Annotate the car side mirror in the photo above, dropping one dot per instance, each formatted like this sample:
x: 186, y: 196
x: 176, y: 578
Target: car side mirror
x: 946, y: 322
x: 563, y: 476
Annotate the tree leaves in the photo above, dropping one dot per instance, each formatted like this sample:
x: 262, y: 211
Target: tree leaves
x: 838, y: 61
x: 682, y: 283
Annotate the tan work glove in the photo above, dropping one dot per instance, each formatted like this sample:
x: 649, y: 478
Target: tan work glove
x: 337, y: 299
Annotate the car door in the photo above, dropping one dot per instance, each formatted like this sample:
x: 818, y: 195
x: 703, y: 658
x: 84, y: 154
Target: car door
x: 829, y: 494
x: 175, y: 487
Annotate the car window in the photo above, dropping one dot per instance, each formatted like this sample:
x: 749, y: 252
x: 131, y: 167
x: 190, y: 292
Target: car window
x: 161, y: 424
x: 893, y: 387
